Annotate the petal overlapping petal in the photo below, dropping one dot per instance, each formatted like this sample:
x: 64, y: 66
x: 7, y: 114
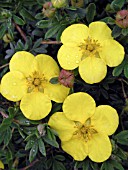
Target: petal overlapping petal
x: 77, y: 148
x: 105, y: 119
x: 92, y: 70
x: 35, y: 105
x: 104, y: 149
x: 69, y: 57
x: 63, y: 126
x: 45, y: 62
x: 79, y: 107
x: 23, y: 62
x: 112, y: 53
x: 56, y: 92
x: 74, y: 35
x: 99, y: 31
x: 13, y: 86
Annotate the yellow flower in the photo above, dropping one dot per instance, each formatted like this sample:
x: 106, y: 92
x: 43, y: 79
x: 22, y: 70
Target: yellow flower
x: 1, y: 165
x: 84, y: 128
x: 91, y: 49
x: 28, y: 81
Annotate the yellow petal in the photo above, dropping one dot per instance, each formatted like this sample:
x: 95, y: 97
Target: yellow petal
x: 56, y: 92
x: 74, y: 34
x: 69, y: 57
x: 92, y: 70
x: 63, y: 126
x: 99, y: 31
x: 79, y: 106
x: 35, y: 105
x: 1, y: 164
x: 112, y: 53
x: 77, y: 148
x: 47, y: 65
x: 22, y: 61
x: 99, y: 148
x: 105, y: 119
x: 13, y: 86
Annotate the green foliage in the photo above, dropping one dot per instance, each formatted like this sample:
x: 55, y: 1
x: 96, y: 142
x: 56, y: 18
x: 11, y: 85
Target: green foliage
x: 23, y: 26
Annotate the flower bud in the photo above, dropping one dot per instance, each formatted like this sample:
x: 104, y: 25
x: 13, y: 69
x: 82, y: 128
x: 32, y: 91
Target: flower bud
x: 48, y: 10
x: 41, y: 129
x: 7, y: 38
x: 59, y: 3
x: 79, y: 3
x: 47, y: 5
x: 66, y: 78
x: 122, y: 18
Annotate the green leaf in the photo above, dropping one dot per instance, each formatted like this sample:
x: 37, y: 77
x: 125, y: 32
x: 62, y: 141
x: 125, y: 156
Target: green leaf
x: 18, y: 20
x: 30, y: 144
x: 54, y: 80
x: 5, y: 124
x: 33, y: 152
x: 118, y: 70
x: 86, y: 165
x: 6, y: 4
x: 121, y: 154
x: 8, y: 136
x: 37, y: 43
x: 50, y: 138
x: 108, y: 20
x: 42, y: 147
x: 116, y: 165
x: 21, y: 132
x: 58, y: 165
x: 26, y: 14
x: 12, y: 112
x: 126, y: 70
x: 116, y: 31
x: 90, y: 12
x: 60, y: 157
x: 2, y: 30
x: 122, y: 137
x: 52, y: 31
x: 43, y: 24
x: 23, y: 120
x: 106, y: 166
x: 56, y: 107
x: 117, y: 4
x: 124, y: 31
x: 60, y: 33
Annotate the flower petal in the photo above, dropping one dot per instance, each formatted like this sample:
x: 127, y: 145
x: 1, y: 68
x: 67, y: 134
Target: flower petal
x: 79, y: 106
x: 69, y: 57
x: 63, y: 126
x: 104, y: 149
x: 105, y: 119
x: 74, y: 34
x: 45, y: 61
x: 13, y: 86
x: 77, y: 148
x: 99, y: 31
x: 22, y: 61
x: 56, y: 92
x: 92, y: 70
x: 1, y: 164
x: 35, y: 105
x: 112, y: 53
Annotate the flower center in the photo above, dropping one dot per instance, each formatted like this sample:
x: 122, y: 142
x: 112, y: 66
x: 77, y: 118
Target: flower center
x: 90, y: 48
x: 36, y: 82
x: 84, y: 131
